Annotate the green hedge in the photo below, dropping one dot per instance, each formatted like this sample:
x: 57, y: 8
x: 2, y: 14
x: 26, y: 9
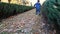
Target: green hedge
x: 7, y: 9
x: 51, y: 11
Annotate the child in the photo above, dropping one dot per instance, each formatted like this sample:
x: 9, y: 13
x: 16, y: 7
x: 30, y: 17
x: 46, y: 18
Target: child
x: 37, y: 6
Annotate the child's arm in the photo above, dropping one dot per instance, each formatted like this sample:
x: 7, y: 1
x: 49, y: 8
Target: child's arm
x: 40, y: 4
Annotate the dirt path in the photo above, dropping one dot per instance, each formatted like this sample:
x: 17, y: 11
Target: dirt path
x: 25, y: 23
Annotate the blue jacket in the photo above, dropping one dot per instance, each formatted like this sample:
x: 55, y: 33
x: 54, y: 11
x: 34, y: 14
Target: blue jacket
x: 37, y: 5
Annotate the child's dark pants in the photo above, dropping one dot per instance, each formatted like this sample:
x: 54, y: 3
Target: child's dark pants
x: 37, y: 11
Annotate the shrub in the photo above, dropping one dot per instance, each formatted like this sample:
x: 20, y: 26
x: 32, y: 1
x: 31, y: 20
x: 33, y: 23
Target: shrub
x: 7, y: 9
x: 51, y: 10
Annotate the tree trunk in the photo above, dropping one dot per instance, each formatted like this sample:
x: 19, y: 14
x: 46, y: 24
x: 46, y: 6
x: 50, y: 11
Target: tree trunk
x: 9, y: 1
x: 0, y: 0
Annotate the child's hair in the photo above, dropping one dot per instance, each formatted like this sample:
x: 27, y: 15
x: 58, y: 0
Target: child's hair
x: 38, y: 0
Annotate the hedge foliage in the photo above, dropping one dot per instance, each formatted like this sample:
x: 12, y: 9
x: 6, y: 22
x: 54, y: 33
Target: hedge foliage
x: 7, y: 9
x: 51, y: 10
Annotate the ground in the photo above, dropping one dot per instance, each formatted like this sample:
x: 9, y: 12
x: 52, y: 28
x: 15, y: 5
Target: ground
x: 25, y: 23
